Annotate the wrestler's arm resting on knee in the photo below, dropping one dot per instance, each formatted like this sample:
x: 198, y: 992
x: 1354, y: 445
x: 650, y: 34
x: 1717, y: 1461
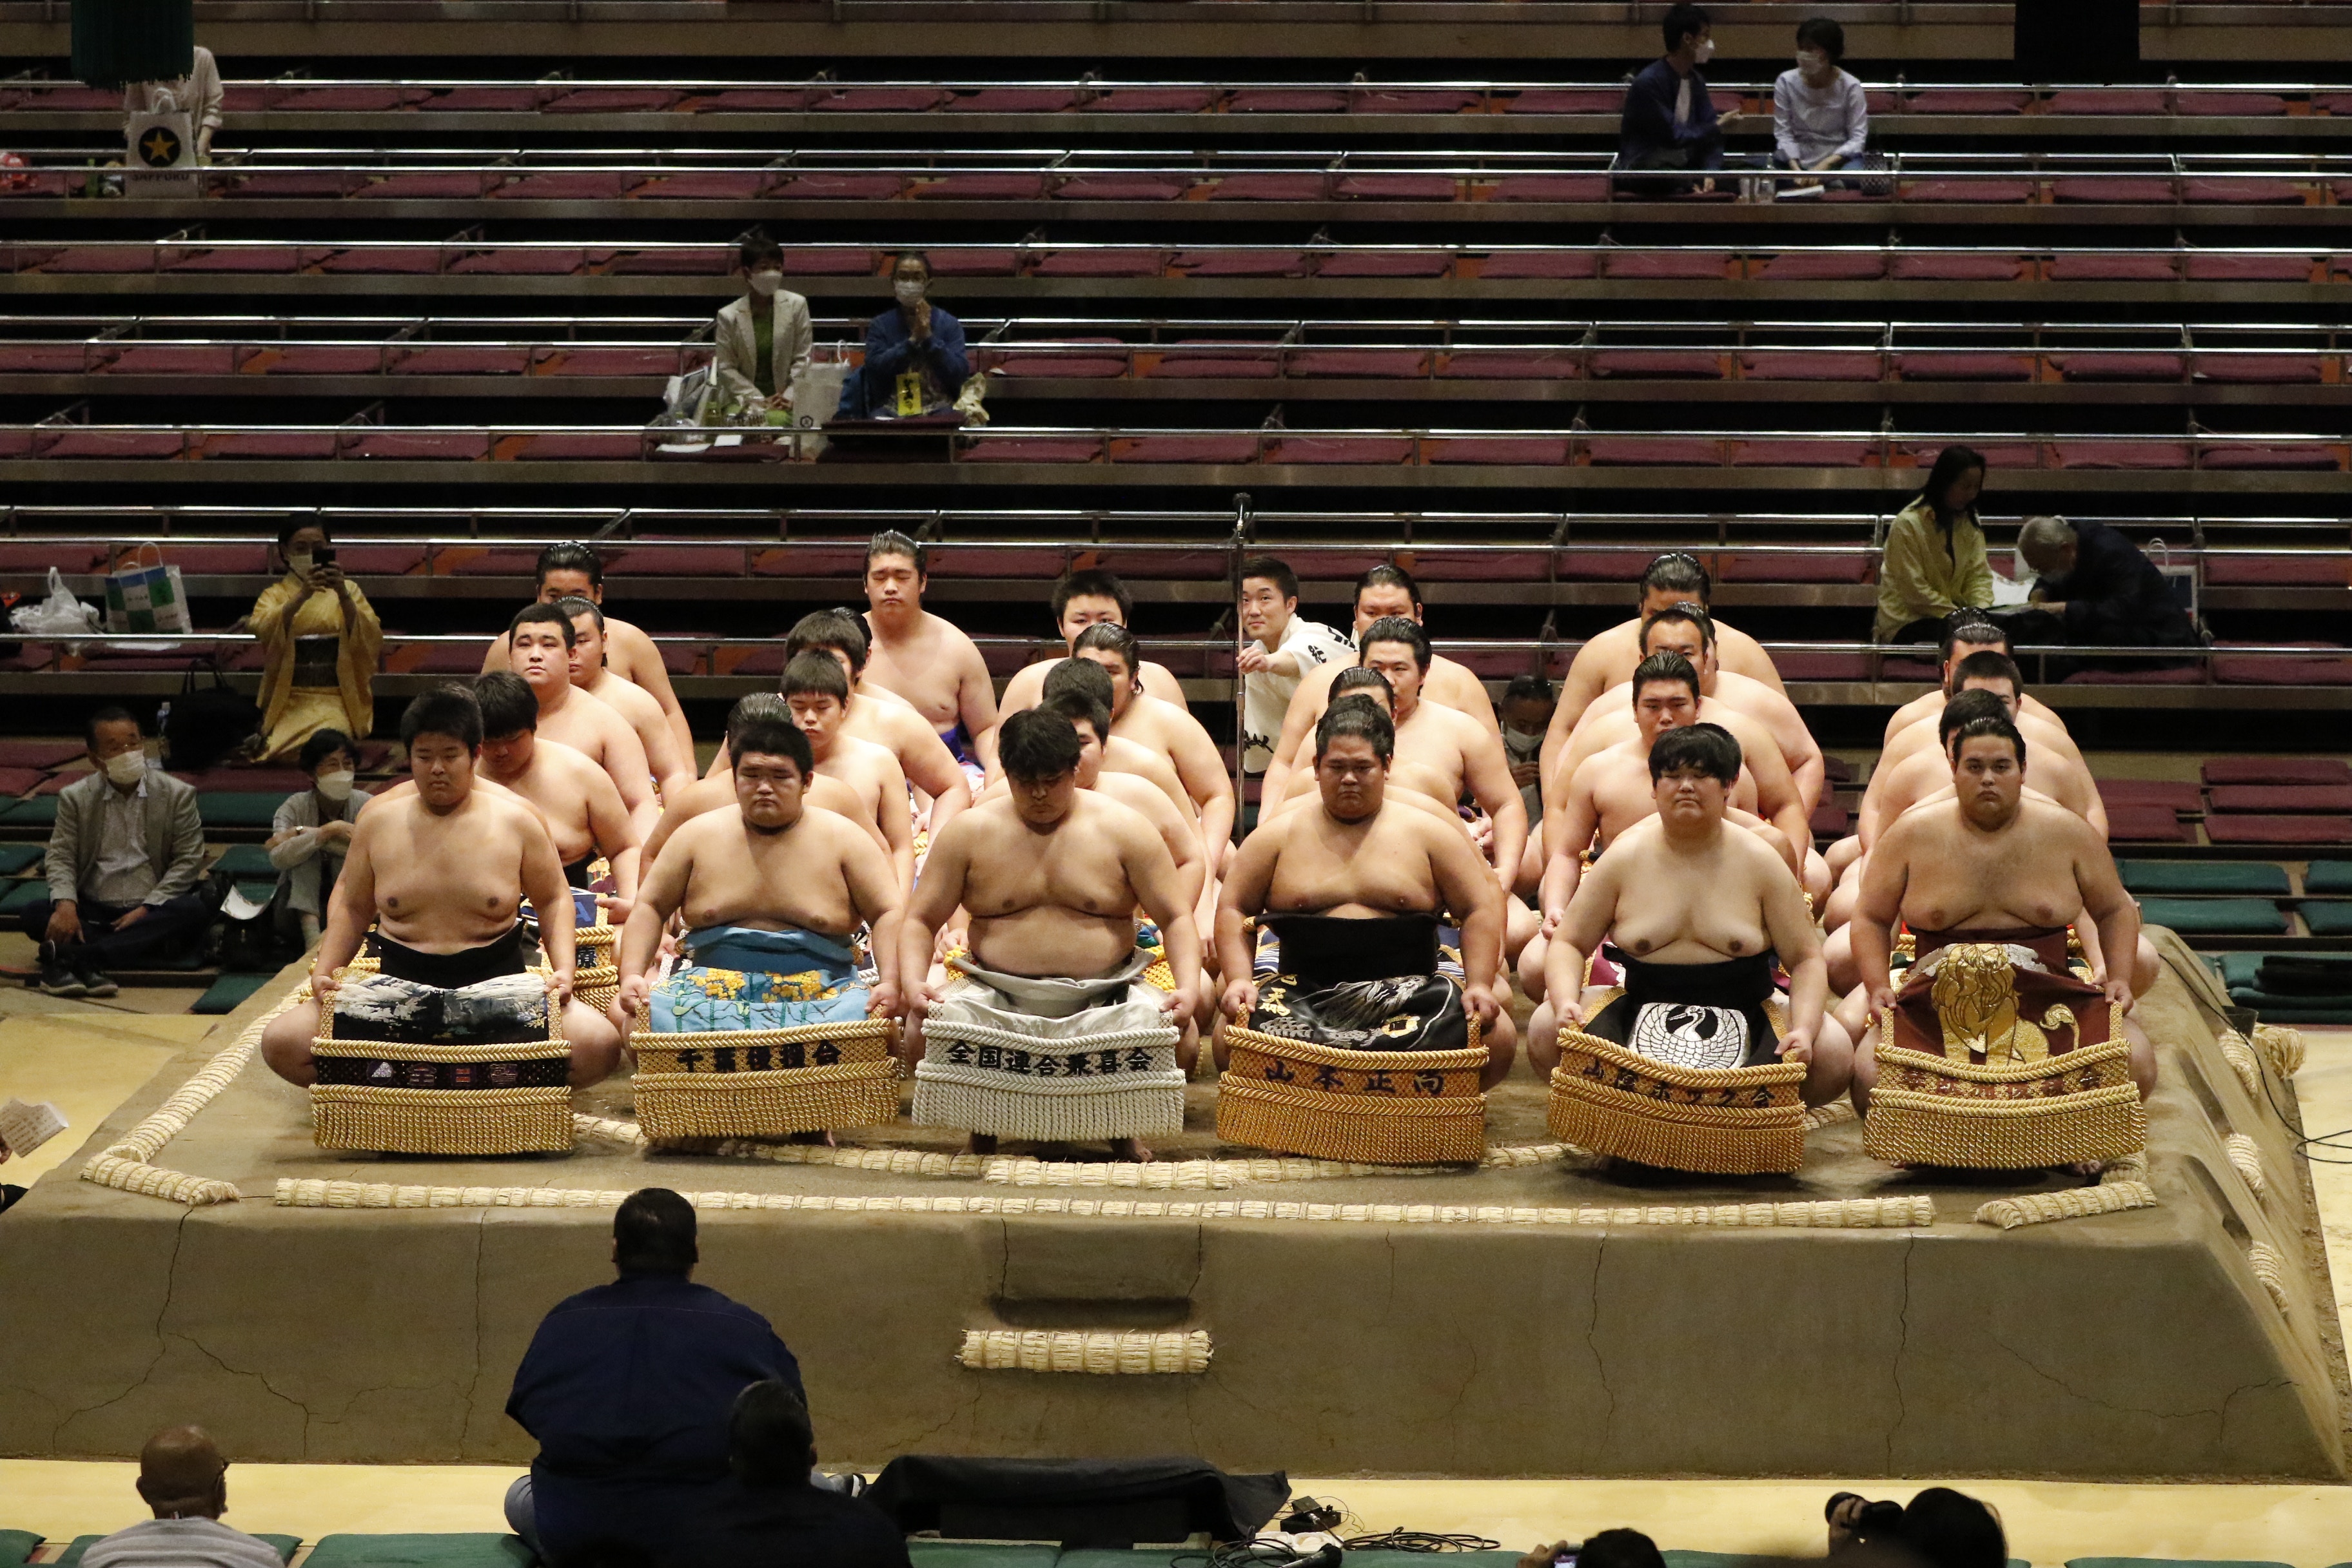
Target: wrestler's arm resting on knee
x: 938, y: 893
x: 616, y: 832
x: 658, y: 898
x: 1151, y: 872
x: 350, y: 907
x: 544, y: 884
x: 2112, y: 913
x: 1580, y: 928
x: 1790, y: 925
x: 1876, y: 910
x: 1466, y: 885
x: 1570, y: 823
x: 873, y: 883
x: 1487, y: 772
x: 1246, y: 883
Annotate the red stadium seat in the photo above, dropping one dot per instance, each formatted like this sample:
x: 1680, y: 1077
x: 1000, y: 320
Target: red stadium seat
x: 384, y: 259
x: 1207, y: 362
x: 2222, y: 266
x: 303, y: 445
x: 826, y: 186
x: 2241, y: 191
x: 1412, y: 101
x: 1035, y: 361
x: 1965, y: 100
x: 1684, y: 364
x: 2264, y: 669
x: 1396, y: 188
x: 173, y: 359
x: 1384, y: 264
x: 2076, y: 268
x: 985, y: 263
x: 826, y: 262
x: 97, y: 258
x: 2098, y: 366
x: 2279, y: 829
x: 1513, y: 451
x: 1382, y: 450
x: 1965, y: 367
x: 42, y: 359
x: 613, y: 100
x: 750, y: 100
x: 582, y: 446
x: 1797, y: 664
x: 1035, y: 449
x: 1653, y: 451
x: 1369, y: 365
x: 2230, y: 103
x: 2172, y: 794
x: 2313, y: 570
x: 1802, y: 454
x: 1216, y: 447
x: 1154, y: 101
x: 1944, y: 192
x: 240, y: 258
x: 1268, y: 187
x: 2146, y: 825
x: 1825, y: 267
x: 300, y: 183
x: 1568, y: 101
x: 2267, y: 370
x: 1105, y: 263
x: 703, y: 185
x: 1006, y: 187
x: 2308, y: 456
x: 2181, y: 675
x: 436, y: 446
x: 703, y: 261
x: 1124, y: 188
x: 882, y: 101
x: 461, y: 359
x: 1822, y: 365
x: 1286, y: 100
x: 1830, y: 820
x: 1550, y: 188
x: 2108, y: 100
x: 651, y: 361
x: 1243, y: 263
x: 1506, y: 365
x: 1548, y: 265
x: 40, y: 755
x: 1018, y: 100
x: 1659, y: 265
x: 1957, y: 267
x: 2114, y: 189
x: 2274, y: 798
x: 1756, y: 567
x: 2133, y: 455
x: 486, y: 100
x: 520, y: 261
x: 2276, y: 771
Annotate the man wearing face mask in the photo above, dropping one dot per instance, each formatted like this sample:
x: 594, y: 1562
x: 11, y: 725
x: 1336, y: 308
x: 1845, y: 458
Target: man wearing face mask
x: 1821, y: 118
x: 1670, y: 121
x: 915, y: 360
x: 764, y: 338
x: 123, y: 864
x: 313, y: 829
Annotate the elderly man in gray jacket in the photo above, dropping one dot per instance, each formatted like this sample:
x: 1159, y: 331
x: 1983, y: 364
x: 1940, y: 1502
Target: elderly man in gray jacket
x: 124, y: 860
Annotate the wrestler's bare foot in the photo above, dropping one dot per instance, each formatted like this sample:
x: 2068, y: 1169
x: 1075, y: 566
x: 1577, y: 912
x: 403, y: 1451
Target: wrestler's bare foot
x: 1130, y: 1149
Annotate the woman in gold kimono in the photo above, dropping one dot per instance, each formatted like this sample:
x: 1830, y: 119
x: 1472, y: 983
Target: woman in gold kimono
x: 321, y: 638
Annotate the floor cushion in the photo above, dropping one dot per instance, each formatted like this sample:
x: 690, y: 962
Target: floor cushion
x: 2256, y: 877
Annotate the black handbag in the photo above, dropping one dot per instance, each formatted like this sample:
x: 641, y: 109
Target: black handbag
x: 207, y: 722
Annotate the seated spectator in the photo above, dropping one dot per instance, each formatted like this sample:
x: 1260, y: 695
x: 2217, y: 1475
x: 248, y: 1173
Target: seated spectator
x: 776, y: 1512
x: 2096, y: 589
x: 915, y: 362
x: 1941, y: 1528
x: 1609, y: 1548
x: 1528, y: 704
x: 198, y: 92
x: 123, y: 862
x: 627, y: 1388
x: 1670, y: 121
x: 1935, y: 561
x: 764, y: 338
x: 319, y: 639
x: 1821, y: 119
x: 311, y: 830
x: 184, y: 1482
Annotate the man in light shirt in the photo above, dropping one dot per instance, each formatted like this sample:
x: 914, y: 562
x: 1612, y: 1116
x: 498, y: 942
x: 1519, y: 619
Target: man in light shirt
x: 1821, y: 119
x: 123, y: 864
x: 184, y: 1481
x: 1284, y: 647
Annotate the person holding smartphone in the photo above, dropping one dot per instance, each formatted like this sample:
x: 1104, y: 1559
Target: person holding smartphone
x: 319, y: 639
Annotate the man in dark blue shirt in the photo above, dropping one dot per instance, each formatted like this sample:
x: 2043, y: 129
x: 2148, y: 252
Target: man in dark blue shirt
x: 772, y: 1516
x: 2095, y: 588
x: 1670, y: 121
x: 915, y: 358
x: 627, y: 1388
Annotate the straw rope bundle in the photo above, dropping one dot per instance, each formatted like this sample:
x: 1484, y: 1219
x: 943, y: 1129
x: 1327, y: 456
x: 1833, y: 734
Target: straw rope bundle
x: 2246, y: 1157
x: 1733, y: 1122
x: 2075, y: 1107
x: 1840, y: 1214
x: 2281, y: 1047
x: 2074, y: 1203
x: 466, y: 1123
x: 2241, y: 1061
x: 1099, y: 1351
x: 1375, y: 1107
x: 690, y: 1085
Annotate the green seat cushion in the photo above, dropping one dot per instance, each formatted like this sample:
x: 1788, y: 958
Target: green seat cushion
x: 229, y: 993
x: 2328, y: 917
x: 454, y: 1549
x: 16, y: 1545
x: 283, y: 1545
x: 23, y: 893
x: 984, y: 1555
x: 234, y: 808
x: 16, y: 858
x: 246, y: 860
x: 2216, y: 917
x: 2143, y: 877
x: 33, y: 811
x: 2327, y: 877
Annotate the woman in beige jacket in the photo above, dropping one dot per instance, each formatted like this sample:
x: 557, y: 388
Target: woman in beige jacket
x: 764, y: 337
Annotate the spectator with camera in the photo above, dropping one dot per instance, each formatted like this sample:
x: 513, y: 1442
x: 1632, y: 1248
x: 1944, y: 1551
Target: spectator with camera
x: 1939, y: 1528
x: 319, y: 639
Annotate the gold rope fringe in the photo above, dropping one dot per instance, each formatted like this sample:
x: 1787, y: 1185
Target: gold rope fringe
x: 124, y: 1163
x: 2241, y: 1061
x: 2074, y: 1203
x: 2281, y: 1047
x: 1196, y: 1175
x: 2269, y: 1269
x: 1102, y: 1352
x: 1839, y: 1214
x: 2246, y: 1157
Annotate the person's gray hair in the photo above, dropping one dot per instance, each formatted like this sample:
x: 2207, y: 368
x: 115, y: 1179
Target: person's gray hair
x: 2042, y: 538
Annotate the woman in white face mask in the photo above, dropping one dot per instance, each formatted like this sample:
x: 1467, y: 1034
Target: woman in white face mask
x: 1821, y: 119
x: 764, y: 338
x: 915, y: 358
x: 319, y: 639
x: 312, y: 831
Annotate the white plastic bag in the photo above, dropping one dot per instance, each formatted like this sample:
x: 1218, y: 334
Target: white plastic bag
x: 58, y: 615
